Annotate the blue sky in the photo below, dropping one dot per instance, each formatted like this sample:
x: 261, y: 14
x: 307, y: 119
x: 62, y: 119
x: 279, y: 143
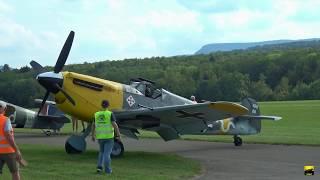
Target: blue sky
x: 119, y: 29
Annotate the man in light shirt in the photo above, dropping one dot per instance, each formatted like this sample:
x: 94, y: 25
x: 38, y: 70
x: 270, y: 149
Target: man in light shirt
x: 9, y: 151
x: 193, y: 99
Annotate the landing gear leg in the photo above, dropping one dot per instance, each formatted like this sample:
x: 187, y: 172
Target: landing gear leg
x: 76, y: 144
x: 237, y: 140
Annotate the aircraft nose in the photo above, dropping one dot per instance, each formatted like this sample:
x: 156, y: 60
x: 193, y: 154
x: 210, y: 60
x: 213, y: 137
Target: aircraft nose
x: 50, y: 80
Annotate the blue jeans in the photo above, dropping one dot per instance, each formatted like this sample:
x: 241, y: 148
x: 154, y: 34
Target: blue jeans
x: 106, y: 146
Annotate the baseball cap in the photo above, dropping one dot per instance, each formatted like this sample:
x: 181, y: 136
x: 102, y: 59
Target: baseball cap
x: 105, y: 103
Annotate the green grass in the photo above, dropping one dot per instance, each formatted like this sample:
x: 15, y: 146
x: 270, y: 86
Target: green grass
x: 53, y: 163
x: 300, y: 125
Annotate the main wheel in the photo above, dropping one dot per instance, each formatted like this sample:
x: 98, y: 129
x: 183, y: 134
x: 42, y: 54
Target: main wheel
x: 75, y: 144
x: 118, y: 149
x: 48, y: 133
x: 237, y: 141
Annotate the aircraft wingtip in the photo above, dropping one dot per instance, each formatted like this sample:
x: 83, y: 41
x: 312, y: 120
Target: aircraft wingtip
x: 277, y: 118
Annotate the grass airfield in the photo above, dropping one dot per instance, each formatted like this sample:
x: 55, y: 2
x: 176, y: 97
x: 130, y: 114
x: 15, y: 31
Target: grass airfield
x: 52, y: 163
x: 300, y: 126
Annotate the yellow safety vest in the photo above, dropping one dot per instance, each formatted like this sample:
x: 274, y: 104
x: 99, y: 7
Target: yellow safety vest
x: 104, y: 128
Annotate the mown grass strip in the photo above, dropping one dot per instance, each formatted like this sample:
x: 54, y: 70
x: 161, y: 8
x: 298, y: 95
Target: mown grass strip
x: 53, y: 163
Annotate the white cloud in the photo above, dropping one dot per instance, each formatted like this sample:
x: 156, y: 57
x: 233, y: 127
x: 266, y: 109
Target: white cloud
x: 4, y: 7
x: 145, y: 31
x: 12, y: 34
x: 116, y: 4
x: 176, y: 21
x: 117, y: 29
x: 231, y: 21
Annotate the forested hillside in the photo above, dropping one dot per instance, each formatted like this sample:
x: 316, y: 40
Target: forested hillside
x: 266, y: 74
x: 214, y: 47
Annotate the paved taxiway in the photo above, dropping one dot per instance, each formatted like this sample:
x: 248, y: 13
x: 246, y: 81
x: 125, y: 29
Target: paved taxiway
x: 220, y: 160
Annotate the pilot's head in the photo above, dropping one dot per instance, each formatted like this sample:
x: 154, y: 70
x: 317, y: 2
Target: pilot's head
x: 193, y: 98
x: 105, y: 104
x: 3, y: 106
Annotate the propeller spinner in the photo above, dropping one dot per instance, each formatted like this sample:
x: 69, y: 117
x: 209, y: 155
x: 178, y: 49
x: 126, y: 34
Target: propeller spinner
x: 52, y: 81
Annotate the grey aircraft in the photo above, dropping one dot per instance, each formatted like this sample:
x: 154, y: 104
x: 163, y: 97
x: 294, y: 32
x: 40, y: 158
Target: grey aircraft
x: 141, y: 105
x: 49, y: 119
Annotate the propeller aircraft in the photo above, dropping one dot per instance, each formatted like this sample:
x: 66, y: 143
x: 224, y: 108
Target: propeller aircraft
x: 48, y: 120
x: 140, y: 105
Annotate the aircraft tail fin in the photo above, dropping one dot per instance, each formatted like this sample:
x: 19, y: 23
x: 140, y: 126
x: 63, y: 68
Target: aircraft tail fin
x: 254, y: 111
x: 254, y: 116
x: 252, y: 106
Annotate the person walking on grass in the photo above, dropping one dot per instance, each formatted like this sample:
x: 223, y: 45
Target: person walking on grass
x: 103, y: 129
x: 9, y: 151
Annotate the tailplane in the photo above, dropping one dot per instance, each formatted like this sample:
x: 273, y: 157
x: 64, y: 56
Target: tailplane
x: 254, y: 116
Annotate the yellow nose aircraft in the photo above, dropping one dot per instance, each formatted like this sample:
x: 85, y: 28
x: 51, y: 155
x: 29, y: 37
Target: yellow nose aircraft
x: 142, y: 106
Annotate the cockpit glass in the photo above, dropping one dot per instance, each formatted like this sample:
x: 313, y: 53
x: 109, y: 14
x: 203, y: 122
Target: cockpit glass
x: 141, y: 87
x: 134, y: 84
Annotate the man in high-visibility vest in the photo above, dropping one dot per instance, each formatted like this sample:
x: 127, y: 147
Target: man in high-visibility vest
x: 103, y: 129
x: 9, y: 151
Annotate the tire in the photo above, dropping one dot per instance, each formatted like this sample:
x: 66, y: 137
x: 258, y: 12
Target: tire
x: 48, y: 133
x: 75, y: 144
x: 237, y: 141
x: 118, y: 149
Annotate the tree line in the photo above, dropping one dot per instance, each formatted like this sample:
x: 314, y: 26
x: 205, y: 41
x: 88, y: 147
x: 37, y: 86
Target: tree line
x: 266, y: 74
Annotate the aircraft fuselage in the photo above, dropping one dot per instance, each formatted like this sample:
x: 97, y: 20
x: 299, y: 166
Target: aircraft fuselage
x: 88, y: 93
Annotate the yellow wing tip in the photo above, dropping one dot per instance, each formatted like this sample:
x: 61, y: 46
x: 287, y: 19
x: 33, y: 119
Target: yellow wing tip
x: 233, y: 108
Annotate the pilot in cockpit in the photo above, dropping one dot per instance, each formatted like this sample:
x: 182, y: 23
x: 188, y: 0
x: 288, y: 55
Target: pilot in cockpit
x: 146, y: 88
x: 148, y: 91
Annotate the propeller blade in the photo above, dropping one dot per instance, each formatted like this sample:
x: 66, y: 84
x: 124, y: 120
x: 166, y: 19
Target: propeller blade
x: 66, y: 94
x: 64, y: 53
x: 37, y: 67
x: 43, y: 101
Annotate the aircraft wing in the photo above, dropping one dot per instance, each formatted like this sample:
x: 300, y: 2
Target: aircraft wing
x: 171, y: 121
x: 50, y: 122
x: 57, y: 119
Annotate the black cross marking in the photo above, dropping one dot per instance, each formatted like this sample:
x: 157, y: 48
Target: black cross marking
x: 185, y: 114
